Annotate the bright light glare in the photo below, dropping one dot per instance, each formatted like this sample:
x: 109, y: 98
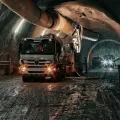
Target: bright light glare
x: 23, y: 68
x: 54, y: 69
x: 50, y: 87
x: 19, y: 26
x: 110, y: 69
x: 49, y: 69
x: 110, y: 62
x: 105, y: 62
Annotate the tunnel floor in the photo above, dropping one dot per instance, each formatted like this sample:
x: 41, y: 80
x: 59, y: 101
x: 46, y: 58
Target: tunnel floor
x: 72, y: 99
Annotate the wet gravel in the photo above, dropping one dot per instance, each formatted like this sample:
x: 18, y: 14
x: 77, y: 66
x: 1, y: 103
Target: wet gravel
x: 72, y: 99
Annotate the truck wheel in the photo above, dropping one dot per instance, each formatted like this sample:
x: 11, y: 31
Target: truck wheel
x: 25, y: 79
x: 60, y: 76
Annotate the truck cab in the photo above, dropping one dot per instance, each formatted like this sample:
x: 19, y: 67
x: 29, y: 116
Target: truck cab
x: 39, y: 57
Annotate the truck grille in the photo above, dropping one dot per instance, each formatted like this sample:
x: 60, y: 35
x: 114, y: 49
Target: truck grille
x: 36, y: 67
x: 35, y: 72
x: 37, y: 62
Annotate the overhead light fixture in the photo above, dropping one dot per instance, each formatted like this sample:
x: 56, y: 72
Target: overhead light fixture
x: 88, y: 38
x: 19, y: 26
x: 90, y: 35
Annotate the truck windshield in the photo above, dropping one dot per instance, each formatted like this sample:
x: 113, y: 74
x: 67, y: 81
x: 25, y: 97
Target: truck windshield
x: 43, y: 47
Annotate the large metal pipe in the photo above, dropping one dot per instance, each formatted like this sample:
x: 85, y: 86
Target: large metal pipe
x: 31, y: 12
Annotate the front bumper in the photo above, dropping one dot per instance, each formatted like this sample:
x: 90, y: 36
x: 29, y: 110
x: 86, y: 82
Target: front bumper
x: 37, y: 73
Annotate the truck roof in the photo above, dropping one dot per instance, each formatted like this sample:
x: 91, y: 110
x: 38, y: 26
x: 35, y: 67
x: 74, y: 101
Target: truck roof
x: 39, y: 38
x: 49, y: 36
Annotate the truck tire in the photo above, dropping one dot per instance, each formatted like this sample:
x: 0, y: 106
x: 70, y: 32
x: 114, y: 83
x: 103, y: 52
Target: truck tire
x: 60, y: 76
x: 25, y: 79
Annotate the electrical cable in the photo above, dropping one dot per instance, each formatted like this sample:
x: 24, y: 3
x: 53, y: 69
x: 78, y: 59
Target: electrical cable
x: 80, y: 34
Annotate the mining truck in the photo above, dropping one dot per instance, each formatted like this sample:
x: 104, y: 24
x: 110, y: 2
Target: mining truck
x: 45, y: 57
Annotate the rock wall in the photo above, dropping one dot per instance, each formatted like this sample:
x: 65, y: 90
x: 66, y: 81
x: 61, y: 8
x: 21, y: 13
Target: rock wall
x: 9, y: 40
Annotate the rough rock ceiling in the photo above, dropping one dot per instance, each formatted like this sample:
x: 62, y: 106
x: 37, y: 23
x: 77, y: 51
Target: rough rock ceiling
x: 93, y: 14
x: 97, y: 15
x: 111, y: 6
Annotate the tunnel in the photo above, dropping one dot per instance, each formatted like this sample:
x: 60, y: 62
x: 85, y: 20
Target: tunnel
x: 59, y: 60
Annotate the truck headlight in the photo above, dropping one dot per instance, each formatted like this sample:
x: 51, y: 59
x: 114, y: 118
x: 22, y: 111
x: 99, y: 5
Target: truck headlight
x: 104, y: 62
x: 110, y: 62
x: 51, y: 69
x: 23, y: 68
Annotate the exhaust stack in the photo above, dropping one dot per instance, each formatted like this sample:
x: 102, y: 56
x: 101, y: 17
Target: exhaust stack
x: 32, y: 13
